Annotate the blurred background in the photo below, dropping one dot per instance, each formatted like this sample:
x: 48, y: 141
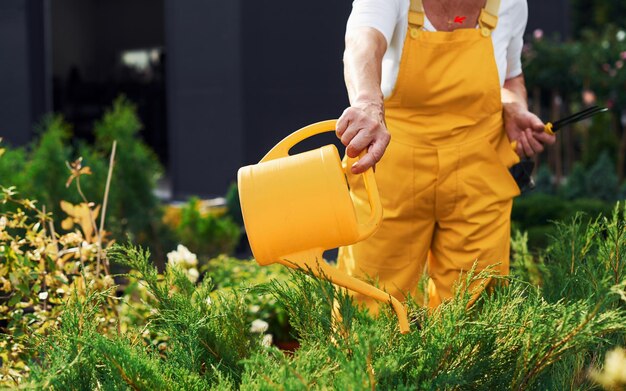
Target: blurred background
x: 208, y: 87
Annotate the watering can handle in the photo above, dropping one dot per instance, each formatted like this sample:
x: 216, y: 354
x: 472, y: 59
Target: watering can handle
x: 282, y: 150
x: 368, y: 228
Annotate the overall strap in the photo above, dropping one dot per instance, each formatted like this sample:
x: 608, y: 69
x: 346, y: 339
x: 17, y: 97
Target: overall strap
x: 488, y: 19
x: 416, y: 17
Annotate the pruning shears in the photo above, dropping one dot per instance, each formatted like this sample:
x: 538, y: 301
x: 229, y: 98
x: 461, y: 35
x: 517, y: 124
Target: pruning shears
x: 522, y: 171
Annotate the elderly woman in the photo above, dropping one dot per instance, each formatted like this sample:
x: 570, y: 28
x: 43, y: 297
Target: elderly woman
x: 437, y: 97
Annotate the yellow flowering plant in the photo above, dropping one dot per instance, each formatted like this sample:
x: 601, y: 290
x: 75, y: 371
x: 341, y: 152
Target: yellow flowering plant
x: 40, y: 267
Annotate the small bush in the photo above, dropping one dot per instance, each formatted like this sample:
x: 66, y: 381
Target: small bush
x: 134, y: 209
x: 206, y: 234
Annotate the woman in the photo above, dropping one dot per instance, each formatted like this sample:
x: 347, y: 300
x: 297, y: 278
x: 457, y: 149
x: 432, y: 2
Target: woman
x: 437, y: 96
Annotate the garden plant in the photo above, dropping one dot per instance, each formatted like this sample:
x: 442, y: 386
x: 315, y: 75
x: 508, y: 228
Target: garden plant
x: 68, y: 323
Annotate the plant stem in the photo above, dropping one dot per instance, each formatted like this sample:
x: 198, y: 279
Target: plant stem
x: 94, y: 226
x: 105, y: 200
x: 43, y: 260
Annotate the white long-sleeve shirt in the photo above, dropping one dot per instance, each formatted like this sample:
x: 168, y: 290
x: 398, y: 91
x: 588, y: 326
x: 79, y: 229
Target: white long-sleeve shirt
x: 390, y: 17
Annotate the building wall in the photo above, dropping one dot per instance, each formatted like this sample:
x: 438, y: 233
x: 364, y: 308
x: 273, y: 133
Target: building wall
x: 204, y: 91
x: 293, y: 69
x: 89, y: 34
x: 24, y: 77
x: 237, y: 87
x: 73, y: 37
x: 126, y: 24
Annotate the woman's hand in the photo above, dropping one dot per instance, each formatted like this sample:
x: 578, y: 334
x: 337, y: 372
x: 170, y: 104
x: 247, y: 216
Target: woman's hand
x: 526, y: 129
x: 362, y: 126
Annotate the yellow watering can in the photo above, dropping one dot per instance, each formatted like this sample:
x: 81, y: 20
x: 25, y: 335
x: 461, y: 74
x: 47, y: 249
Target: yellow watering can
x: 297, y: 206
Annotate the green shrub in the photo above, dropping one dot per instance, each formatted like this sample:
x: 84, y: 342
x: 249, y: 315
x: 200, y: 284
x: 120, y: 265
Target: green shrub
x: 46, y: 170
x: 543, y: 181
x: 133, y: 208
x: 206, y: 234
x: 602, y: 180
x: 576, y: 186
x: 527, y: 334
x: 40, y: 172
x: 231, y: 273
x: 233, y: 205
x: 207, y: 338
x: 12, y: 164
x: 537, y: 209
x: 536, y: 213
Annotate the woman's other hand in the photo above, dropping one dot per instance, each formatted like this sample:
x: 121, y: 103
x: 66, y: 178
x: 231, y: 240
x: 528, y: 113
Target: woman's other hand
x: 526, y: 129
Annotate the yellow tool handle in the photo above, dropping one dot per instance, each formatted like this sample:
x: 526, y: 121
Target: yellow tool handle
x: 546, y: 129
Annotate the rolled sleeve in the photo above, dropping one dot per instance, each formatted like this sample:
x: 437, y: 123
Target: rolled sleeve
x: 381, y: 15
x: 516, y: 44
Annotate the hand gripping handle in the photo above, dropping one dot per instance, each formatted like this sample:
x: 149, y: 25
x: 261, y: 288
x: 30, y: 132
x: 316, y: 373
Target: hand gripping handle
x: 547, y: 129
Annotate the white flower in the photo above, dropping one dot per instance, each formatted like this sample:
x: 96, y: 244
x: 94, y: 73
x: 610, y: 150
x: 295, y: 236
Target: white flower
x: 267, y: 340
x: 3, y: 222
x: 615, y: 366
x: 259, y: 326
x: 209, y: 301
x: 182, y: 256
x: 193, y: 274
x: 89, y: 247
x: 60, y: 291
x: 621, y: 35
x: 614, y: 374
x: 43, y: 295
x: 254, y: 308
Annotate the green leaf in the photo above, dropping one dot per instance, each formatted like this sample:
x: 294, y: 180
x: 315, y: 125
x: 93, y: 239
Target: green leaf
x: 14, y: 300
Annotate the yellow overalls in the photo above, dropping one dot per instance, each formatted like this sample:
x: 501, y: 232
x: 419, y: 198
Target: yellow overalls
x: 444, y: 180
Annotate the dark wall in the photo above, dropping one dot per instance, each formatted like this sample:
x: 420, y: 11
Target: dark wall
x: 205, y: 110
x: 293, y: 71
x: 24, y: 76
x: 90, y: 34
x: 243, y: 75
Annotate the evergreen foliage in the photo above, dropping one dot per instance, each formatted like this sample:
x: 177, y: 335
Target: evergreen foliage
x: 46, y: 170
x: 207, y: 234
x: 543, y: 180
x: 12, y: 166
x: 542, y: 328
x: 602, y: 180
x: 133, y: 207
x: 576, y: 183
x: 233, y: 204
x: 40, y: 172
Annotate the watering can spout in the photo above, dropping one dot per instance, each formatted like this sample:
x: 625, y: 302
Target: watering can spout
x: 311, y: 260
